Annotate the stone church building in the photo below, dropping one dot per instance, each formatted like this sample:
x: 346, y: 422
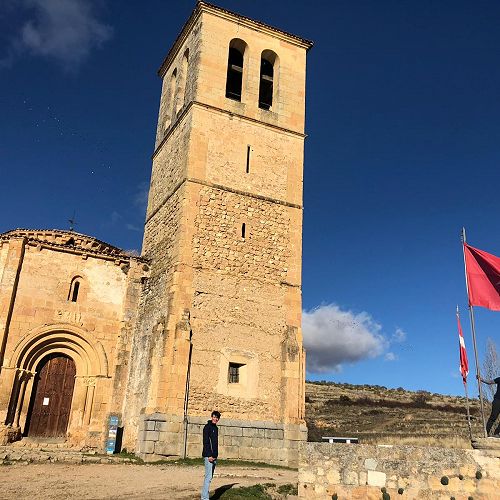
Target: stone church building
x: 209, y: 317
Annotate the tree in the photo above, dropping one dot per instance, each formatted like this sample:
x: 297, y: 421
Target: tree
x: 491, y: 367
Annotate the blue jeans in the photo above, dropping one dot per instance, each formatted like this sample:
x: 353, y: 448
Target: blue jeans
x: 209, y: 473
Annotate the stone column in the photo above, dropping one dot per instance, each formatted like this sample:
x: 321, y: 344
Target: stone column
x: 28, y: 393
x: 8, y: 289
x: 89, y: 382
x: 24, y: 377
x: 7, y: 379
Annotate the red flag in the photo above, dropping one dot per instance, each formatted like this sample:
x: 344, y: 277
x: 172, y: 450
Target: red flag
x: 464, y: 362
x: 483, y: 278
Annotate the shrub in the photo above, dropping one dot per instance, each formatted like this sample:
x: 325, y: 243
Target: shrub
x: 445, y: 481
x: 420, y: 400
x: 255, y: 492
x: 288, y: 489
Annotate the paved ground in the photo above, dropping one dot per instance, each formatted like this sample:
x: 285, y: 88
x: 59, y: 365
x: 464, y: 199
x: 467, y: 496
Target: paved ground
x: 109, y: 481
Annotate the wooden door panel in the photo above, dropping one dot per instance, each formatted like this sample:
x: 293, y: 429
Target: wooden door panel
x: 53, y: 395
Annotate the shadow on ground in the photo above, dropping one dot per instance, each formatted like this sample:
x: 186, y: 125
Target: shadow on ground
x: 220, y: 490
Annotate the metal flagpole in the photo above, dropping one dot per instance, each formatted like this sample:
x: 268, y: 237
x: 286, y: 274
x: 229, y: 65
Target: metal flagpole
x: 468, y: 412
x: 465, y: 387
x: 478, y: 374
x: 473, y: 328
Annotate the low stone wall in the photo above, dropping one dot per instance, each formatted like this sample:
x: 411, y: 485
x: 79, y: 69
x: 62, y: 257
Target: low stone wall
x: 49, y: 454
x: 162, y: 435
x: 353, y: 471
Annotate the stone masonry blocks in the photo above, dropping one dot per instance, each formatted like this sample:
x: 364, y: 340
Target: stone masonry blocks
x: 262, y: 441
x: 360, y: 471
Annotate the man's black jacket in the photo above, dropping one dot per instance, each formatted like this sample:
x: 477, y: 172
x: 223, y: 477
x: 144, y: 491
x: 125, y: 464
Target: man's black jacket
x: 210, y: 440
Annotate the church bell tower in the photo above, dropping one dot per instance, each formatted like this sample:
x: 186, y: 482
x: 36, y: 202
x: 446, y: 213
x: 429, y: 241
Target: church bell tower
x: 219, y: 326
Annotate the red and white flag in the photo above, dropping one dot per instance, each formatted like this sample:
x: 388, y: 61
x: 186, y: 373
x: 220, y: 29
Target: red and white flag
x: 464, y: 363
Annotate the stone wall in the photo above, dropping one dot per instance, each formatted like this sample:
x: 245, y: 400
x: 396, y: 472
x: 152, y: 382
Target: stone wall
x: 151, y: 334
x: 221, y: 152
x: 162, y: 435
x: 262, y: 254
x: 288, y: 109
x: 350, y: 471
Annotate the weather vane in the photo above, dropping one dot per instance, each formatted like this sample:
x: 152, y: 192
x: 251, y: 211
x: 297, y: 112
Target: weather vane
x: 72, y: 221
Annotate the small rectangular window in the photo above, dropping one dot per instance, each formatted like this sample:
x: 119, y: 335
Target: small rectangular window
x: 243, y: 230
x: 233, y: 374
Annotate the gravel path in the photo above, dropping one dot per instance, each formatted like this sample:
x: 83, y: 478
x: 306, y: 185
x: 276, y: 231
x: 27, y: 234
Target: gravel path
x: 106, y: 481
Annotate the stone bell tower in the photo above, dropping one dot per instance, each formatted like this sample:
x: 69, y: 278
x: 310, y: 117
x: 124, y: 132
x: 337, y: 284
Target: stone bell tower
x: 219, y: 326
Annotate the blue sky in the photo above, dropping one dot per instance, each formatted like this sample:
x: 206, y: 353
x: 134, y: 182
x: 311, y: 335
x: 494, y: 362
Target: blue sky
x: 403, y: 150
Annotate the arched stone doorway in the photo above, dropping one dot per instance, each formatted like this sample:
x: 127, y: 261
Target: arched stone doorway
x: 51, y: 398
x: 89, y: 371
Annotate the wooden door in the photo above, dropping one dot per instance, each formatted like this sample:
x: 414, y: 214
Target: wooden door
x: 53, y: 392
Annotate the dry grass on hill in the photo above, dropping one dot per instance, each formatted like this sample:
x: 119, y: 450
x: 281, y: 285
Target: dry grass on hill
x: 379, y: 415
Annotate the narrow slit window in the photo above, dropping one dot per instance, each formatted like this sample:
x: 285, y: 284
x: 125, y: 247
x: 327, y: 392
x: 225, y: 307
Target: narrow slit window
x: 234, y: 79
x: 243, y: 230
x: 233, y: 374
x: 73, y: 291
x: 249, y: 150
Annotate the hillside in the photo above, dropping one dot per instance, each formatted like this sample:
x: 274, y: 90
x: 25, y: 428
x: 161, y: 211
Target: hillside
x: 376, y: 414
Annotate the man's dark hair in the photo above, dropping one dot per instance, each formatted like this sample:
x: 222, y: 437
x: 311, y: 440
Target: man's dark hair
x: 215, y: 413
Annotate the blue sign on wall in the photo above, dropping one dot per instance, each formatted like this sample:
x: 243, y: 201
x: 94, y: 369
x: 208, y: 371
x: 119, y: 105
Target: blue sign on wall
x: 112, y: 432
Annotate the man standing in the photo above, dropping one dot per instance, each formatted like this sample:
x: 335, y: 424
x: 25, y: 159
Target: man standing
x: 495, y: 405
x: 210, y: 451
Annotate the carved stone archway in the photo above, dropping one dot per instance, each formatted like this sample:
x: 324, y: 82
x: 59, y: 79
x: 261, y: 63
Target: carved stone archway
x: 65, y: 339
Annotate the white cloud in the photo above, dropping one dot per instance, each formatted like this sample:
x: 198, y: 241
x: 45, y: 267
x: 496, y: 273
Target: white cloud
x: 398, y: 336
x: 115, y: 217
x: 390, y: 356
x: 62, y: 30
x: 141, y: 196
x: 333, y: 337
x: 132, y: 227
